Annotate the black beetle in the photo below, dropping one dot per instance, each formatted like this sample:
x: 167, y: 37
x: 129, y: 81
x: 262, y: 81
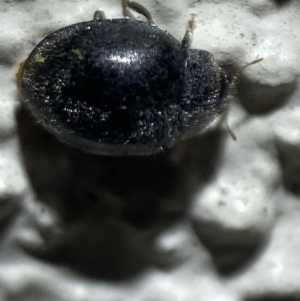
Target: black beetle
x: 122, y: 86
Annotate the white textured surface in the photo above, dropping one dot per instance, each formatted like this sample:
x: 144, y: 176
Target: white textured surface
x: 212, y: 220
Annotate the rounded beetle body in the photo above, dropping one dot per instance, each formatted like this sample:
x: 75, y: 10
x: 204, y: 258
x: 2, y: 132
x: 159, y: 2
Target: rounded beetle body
x: 121, y: 87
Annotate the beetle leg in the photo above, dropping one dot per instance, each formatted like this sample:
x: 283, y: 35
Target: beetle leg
x: 99, y: 15
x: 238, y: 74
x: 137, y: 8
x: 188, y: 37
x: 127, y: 12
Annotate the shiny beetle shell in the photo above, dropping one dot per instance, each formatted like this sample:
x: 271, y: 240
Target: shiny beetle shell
x: 122, y: 87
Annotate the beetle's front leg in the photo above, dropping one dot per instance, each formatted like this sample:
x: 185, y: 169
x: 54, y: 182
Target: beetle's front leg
x: 137, y: 8
x: 99, y: 15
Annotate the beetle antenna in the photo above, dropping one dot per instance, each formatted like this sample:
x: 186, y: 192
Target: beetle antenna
x: 235, y: 79
x: 188, y: 37
x: 230, y: 131
x: 238, y: 74
x: 224, y: 118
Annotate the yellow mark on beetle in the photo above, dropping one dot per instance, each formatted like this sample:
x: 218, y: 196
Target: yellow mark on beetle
x: 78, y: 53
x: 40, y: 59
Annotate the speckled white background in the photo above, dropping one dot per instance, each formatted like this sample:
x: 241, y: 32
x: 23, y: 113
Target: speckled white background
x: 214, y: 219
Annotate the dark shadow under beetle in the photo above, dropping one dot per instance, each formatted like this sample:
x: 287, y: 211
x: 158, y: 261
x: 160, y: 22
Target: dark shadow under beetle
x: 113, y: 208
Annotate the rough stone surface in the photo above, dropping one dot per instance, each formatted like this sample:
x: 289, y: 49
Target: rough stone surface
x: 213, y: 219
